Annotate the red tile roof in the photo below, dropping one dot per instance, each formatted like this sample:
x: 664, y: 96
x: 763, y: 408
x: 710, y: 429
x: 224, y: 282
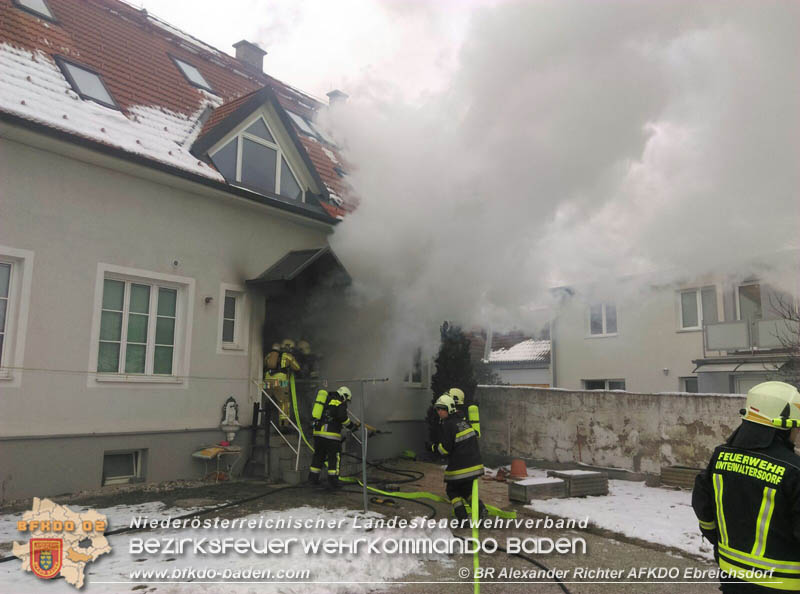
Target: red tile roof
x: 131, y: 51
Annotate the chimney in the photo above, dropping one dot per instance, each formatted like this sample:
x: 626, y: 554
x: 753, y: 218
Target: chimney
x: 337, y: 96
x: 250, y: 53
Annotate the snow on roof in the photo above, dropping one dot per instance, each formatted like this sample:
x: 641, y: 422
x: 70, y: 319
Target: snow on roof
x: 527, y: 350
x: 160, y: 111
x: 33, y: 87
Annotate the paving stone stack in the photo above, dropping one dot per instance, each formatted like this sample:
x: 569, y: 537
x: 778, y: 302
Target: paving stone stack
x: 537, y: 488
x: 581, y: 483
x: 679, y: 476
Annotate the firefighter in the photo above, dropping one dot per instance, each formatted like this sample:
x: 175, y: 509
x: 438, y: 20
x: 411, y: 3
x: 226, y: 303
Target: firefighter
x: 278, y: 379
x: 457, y: 395
x: 459, y: 442
x: 471, y: 413
x: 306, y: 360
x: 748, y: 499
x: 328, y: 436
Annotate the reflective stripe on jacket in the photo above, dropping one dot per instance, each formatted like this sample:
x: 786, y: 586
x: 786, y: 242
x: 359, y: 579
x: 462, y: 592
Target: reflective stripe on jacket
x: 334, y: 418
x: 748, y: 505
x: 459, y: 442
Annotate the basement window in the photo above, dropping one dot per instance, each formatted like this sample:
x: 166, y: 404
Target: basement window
x: 192, y: 74
x: 254, y: 160
x: 86, y: 83
x: 36, y: 7
x: 120, y: 468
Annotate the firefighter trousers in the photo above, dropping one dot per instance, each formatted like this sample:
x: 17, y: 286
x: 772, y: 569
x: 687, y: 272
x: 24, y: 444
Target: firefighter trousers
x: 460, y: 493
x: 325, y: 450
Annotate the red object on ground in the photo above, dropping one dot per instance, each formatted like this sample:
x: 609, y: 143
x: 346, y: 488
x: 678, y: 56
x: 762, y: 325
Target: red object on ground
x: 225, y: 443
x: 518, y: 469
x: 501, y: 475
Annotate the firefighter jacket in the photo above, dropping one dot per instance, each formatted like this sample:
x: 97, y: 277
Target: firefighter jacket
x: 459, y: 442
x: 748, y: 505
x: 334, y: 418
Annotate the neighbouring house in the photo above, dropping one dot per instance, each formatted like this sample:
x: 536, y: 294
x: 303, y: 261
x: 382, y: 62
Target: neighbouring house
x: 717, y: 334
x: 526, y: 363
x: 165, y: 212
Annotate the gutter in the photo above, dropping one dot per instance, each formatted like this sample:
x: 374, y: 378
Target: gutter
x: 75, y: 139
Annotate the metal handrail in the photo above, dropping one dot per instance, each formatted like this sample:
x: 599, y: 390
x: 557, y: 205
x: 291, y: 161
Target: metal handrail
x: 280, y: 412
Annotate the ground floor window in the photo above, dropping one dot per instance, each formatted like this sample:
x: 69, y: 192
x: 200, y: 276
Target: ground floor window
x: 689, y: 384
x: 604, y: 384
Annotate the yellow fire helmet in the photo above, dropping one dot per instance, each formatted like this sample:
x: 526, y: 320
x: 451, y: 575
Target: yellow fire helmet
x: 774, y: 404
x: 304, y: 347
x: 345, y: 393
x: 287, y: 344
x: 458, y: 395
x: 446, y: 402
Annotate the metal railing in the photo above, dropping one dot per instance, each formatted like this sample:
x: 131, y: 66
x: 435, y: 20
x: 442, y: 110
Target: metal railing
x: 296, y: 450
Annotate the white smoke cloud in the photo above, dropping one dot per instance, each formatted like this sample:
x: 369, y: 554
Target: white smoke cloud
x: 576, y: 142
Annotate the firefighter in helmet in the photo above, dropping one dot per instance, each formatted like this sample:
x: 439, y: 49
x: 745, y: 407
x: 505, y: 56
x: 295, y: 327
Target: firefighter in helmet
x: 471, y: 413
x: 330, y: 417
x: 748, y: 499
x: 280, y: 365
x: 459, y: 442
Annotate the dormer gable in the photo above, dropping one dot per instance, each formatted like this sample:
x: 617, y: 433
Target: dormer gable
x: 252, y: 143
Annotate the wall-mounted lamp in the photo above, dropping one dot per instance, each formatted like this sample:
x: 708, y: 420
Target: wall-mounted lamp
x: 208, y: 299
x: 666, y: 371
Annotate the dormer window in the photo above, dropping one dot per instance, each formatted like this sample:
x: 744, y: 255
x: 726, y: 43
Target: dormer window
x: 254, y: 160
x: 192, y: 74
x: 37, y: 7
x: 86, y: 83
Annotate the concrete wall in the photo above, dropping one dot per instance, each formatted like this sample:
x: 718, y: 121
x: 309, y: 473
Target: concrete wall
x: 638, y: 432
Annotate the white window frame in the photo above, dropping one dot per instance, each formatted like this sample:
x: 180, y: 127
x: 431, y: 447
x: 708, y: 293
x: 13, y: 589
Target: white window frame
x: 280, y: 156
x: 424, y: 371
x: 738, y: 300
x: 606, y: 384
x: 125, y: 479
x: 241, y: 330
x: 17, y: 308
x: 604, y: 333
x: 698, y: 291
x: 184, y: 309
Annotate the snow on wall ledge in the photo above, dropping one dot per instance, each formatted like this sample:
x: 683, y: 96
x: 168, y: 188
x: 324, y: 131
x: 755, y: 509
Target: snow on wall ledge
x: 638, y: 432
x: 33, y: 87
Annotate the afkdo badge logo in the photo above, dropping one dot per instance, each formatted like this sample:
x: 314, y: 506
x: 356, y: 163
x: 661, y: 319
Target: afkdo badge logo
x: 46, y: 556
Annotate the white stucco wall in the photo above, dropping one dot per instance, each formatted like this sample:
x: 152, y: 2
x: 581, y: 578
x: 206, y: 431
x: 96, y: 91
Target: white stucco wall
x: 647, y: 342
x: 74, y: 216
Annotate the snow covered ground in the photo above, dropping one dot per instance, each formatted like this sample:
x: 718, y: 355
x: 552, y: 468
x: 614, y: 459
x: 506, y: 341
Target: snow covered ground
x: 112, y: 573
x: 662, y: 516
x: 654, y: 514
